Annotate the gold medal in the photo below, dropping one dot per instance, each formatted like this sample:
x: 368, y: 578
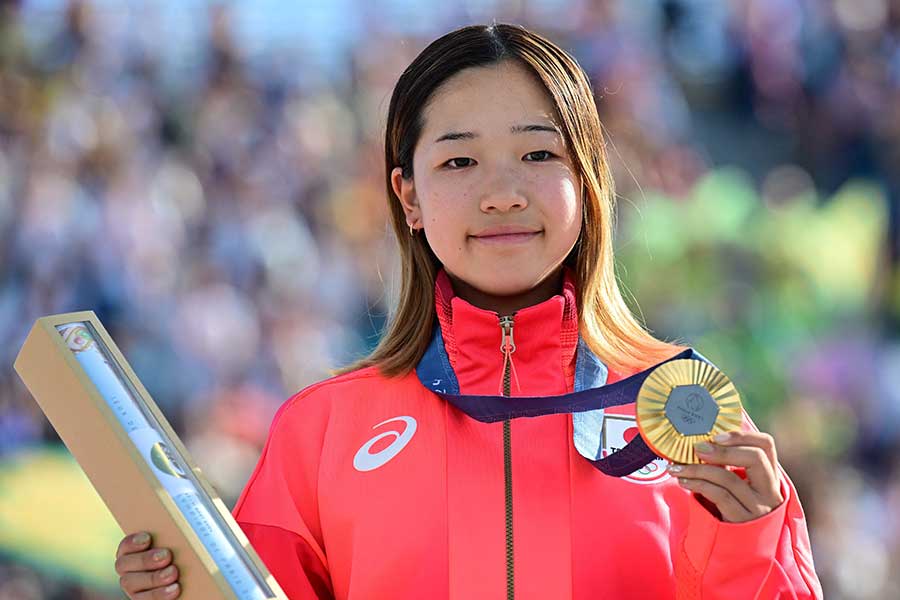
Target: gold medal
x: 683, y: 402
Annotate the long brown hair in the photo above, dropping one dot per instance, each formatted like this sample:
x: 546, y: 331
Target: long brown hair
x: 605, y: 321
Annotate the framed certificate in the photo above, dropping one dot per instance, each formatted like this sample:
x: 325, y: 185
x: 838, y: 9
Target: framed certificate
x: 135, y: 460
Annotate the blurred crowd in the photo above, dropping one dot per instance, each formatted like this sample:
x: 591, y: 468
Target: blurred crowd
x: 221, y: 207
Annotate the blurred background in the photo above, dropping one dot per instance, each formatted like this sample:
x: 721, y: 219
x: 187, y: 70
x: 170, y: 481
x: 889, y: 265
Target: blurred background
x: 208, y: 178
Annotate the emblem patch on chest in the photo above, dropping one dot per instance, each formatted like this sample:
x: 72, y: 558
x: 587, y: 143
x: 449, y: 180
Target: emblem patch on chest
x: 617, y: 431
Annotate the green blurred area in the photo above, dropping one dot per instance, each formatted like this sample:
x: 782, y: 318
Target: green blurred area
x: 51, y: 518
x: 750, y: 284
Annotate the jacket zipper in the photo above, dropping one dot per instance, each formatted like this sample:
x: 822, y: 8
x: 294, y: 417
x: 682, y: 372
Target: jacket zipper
x: 508, y: 346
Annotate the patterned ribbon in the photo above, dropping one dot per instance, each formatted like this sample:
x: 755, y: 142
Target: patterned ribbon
x: 436, y: 374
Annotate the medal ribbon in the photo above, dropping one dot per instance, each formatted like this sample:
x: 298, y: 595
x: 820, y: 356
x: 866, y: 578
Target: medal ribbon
x: 436, y: 374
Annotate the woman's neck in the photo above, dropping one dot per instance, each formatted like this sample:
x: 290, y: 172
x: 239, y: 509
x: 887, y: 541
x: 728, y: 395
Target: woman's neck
x: 507, y: 305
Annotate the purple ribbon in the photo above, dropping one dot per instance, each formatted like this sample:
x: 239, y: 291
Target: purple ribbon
x: 436, y: 374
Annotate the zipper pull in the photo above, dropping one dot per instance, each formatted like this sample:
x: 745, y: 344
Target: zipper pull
x: 507, y: 347
x: 506, y: 341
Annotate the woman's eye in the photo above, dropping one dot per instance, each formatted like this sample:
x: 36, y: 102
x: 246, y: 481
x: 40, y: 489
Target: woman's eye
x: 544, y: 155
x: 467, y: 161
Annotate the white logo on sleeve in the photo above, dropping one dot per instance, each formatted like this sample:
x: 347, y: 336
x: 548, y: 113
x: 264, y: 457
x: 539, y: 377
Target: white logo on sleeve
x: 366, y: 461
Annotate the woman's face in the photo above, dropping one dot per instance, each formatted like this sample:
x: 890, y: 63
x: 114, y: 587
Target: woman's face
x: 491, y: 159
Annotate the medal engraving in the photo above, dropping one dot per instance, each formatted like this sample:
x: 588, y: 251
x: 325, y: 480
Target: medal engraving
x: 691, y: 410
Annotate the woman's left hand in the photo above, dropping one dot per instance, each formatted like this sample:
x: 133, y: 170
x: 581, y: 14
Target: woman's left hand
x: 737, y: 499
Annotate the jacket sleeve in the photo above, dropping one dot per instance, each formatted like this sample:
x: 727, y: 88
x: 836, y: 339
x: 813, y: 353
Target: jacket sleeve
x: 766, y: 558
x: 278, y: 509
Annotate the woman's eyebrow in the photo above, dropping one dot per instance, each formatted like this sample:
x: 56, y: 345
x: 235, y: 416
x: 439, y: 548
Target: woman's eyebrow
x: 470, y: 135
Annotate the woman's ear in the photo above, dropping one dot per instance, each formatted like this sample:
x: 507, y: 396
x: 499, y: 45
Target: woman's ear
x: 405, y: 190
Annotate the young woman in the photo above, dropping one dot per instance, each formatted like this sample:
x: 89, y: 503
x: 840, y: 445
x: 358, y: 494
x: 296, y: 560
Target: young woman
x: 371, y: 485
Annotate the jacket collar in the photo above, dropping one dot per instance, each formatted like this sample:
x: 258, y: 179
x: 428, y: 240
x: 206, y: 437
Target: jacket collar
x: 545, y: 336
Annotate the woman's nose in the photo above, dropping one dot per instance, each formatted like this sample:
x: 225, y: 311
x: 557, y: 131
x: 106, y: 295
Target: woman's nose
x: 503, y: 197
x: 503, y: 202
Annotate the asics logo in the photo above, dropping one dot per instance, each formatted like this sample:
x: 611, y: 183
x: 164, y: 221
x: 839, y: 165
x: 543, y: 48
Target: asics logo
x: 365, y: 461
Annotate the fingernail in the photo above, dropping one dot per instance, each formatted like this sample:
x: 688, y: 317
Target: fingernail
x: 160, y: 555
x: 683, y: 481
x: 722, y: 437
x: 141, y: 538
x: 703, y: 448
x: 168, y: 571
x: 675, y: 468
x: 171, y: 588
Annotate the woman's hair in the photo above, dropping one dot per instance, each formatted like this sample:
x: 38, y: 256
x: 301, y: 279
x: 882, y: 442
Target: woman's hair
x: 606, y: 324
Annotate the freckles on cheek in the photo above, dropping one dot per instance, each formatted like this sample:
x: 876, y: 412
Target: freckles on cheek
x: 448, y: 201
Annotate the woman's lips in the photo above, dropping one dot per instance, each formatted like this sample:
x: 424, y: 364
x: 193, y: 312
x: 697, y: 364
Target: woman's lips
x: 508, y: 238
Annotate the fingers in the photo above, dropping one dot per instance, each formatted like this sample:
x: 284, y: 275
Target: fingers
x: 151, y: 584
x: 168, y: 593
x: 729, y: 507
x: 723, y: 478
x: 146, y: 573
x: 148, y: 560
x: 737, y: 499
x: 761, y: 473
x: 758, y: 439
x: 133, y: 543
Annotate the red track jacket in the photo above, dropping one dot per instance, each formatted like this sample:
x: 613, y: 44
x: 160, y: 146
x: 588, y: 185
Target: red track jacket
x: 374, y: 488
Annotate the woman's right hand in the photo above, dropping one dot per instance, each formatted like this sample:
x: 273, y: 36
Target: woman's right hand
x: 146, y: 573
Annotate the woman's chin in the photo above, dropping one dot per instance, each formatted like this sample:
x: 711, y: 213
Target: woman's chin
x: 506, y: 286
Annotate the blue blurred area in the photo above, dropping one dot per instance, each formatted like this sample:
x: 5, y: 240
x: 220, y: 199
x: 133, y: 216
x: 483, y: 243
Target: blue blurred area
x: 207, y: 177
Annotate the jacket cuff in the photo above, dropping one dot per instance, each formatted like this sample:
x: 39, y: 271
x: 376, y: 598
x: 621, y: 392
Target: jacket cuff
x: 708, y: 536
